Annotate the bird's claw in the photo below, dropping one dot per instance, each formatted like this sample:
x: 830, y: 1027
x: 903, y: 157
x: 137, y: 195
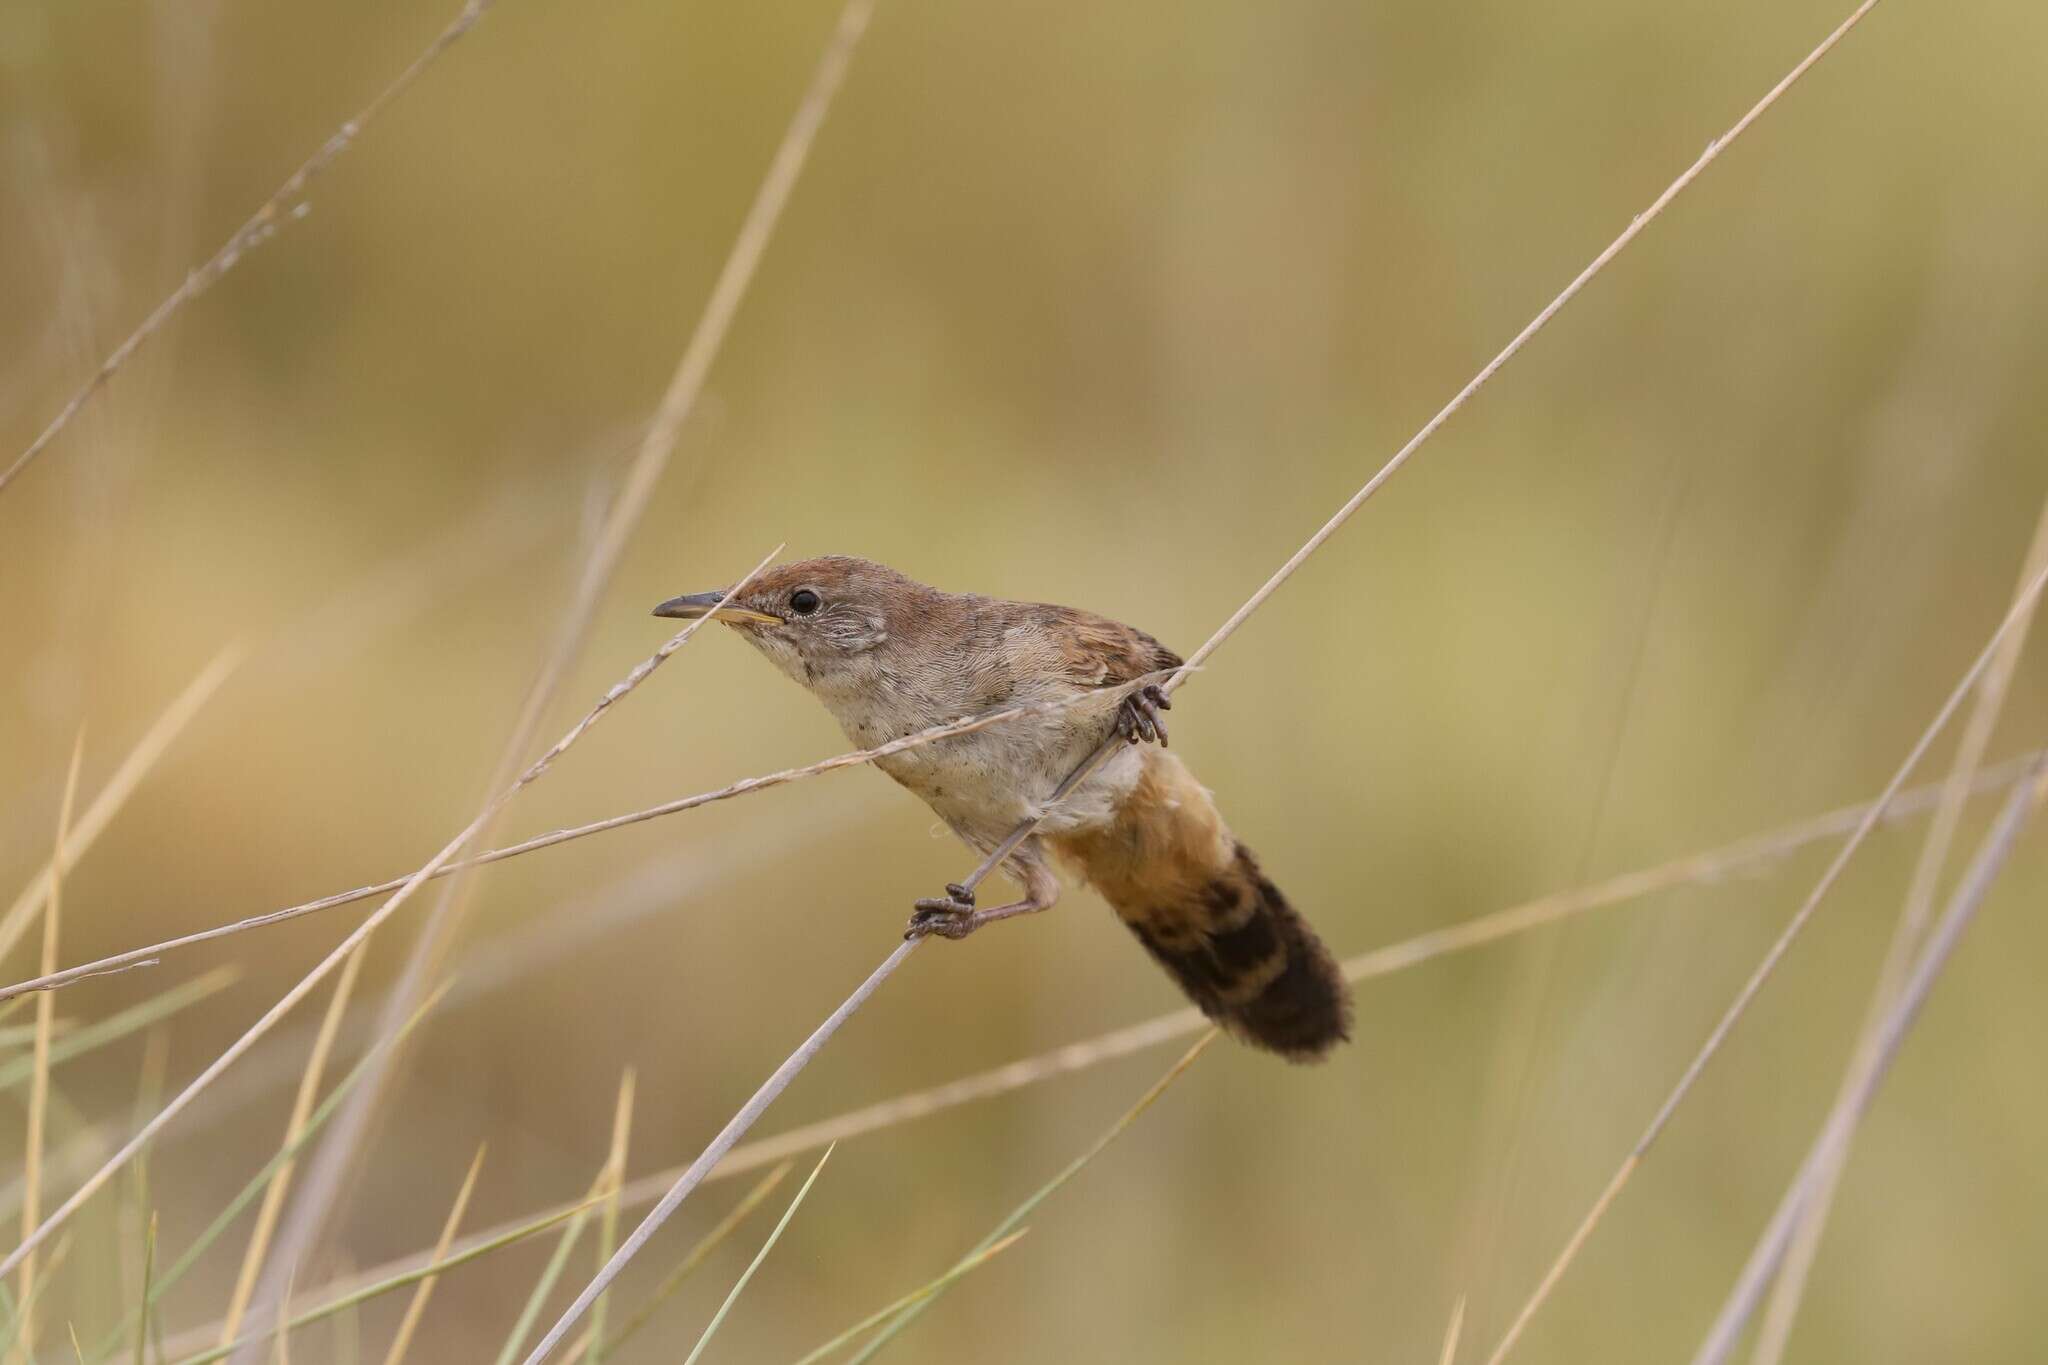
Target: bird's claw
x: 948, y: 916
x: 1138, y: 718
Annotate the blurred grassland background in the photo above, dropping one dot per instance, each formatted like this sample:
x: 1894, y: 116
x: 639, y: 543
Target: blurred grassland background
x: 1108, y: 305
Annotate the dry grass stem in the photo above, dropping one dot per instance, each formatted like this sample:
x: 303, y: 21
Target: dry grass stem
x: 280, y: 1353
x: 2021, y: 608
x: 330, y: 1162
x: 1869, y: 1070
x: 276, y: 211
x: 417, y: 1307
x: 1015, y: 1219
x: 334, y: 959
x: 23, y: 1308
x: 677, y: 402
x: 603, y: 1190
x: 745, y: 786
x: 693, y: 1175
x: 910, y: 1300
x: 693, y: 1258
x: 1743, y: 858
x: 39, y: 1080
x: 77, y: 1042
x: 1913, y: 915
x: 294, y: 1132
x: 354, y: 1298
x: 674, y: 409
x: 162, y: 733
x: 747, y: 1275
x: 1430, y: 428
x: 1456, y: 1329
x: 608, y: 1216
x: 142, y: 1304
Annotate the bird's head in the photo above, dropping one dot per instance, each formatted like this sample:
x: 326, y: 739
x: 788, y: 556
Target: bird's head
x: 816, y: 619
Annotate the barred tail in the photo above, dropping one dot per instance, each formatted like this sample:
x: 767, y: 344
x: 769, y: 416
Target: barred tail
x: 1196, y: 899
x: 1251, y: 962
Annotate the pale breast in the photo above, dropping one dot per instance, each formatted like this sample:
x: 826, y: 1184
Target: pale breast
x: 982, y: 784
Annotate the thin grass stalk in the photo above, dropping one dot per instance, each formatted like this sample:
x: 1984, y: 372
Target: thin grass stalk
x: 39, y: 1083
x: 603, y: 1189
x: 23, y: 1309
x: 142, y: 1305
x: 1444, y: 414
x: 256, y: 1185
x: 149, y: 1092
x: 348, y: 1329
x: 1743, y: 858
x: 924, y: 1291
x: 1456, y: 1329
x: 294, y: 1135
x: 401, y: 1342
x: 1024, y: 830
x: 747, y: 1275
x: 323, y: 1183
x: 351, y: 1130
x: 107, y: 802
x: 2022, y: 606
x: 608, y: 1217
x: 280, y: 1351
x: 671, y: 414
x: 143, y: 1014
x: 744, y: 787
x: 259, y: 228
x: 24, y: 1035
x: 693, y: 1258
x: 1524, y: 1030
x: 1790, y: 1287
x: 1015, y: 1218
x: 355, y: 1297
x: 694, y: 1174
x: 1838, y: 1130
x: 348, y: 945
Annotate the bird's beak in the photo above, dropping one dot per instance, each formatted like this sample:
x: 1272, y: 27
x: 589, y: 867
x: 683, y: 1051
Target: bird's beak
x: 706, y: 604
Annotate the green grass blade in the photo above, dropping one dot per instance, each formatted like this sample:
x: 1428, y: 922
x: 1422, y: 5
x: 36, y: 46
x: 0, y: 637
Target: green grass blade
x: 1044, y: 1192
x: 718, y: 1318
x: 605, y: 1190
x: 19, y: 1317
x: 21, y: 1035
x: 973, y: 1262
x: 697, y: 1254
x: 142, y: 1309
x: 249, y: 1192
x: 396, y: 1282
x: 116, y: 1027
x: 607, y: 1242
x: 565, y: 1246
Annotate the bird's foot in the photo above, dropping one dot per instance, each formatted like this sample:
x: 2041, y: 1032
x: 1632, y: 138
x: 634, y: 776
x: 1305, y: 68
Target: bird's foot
x: 1138, y: 719
x: 948, y: 916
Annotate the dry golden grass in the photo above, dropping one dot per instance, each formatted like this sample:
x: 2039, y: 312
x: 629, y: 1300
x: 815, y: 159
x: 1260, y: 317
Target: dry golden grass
x: 268, y: 1307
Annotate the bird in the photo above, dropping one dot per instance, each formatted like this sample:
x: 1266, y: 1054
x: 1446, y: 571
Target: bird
x: 889, y: 656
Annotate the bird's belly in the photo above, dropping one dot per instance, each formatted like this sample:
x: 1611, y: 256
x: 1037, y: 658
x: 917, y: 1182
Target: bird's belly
x: 986, y: 783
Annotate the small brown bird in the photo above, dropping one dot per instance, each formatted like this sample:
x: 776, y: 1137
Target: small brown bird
x: 889, y: 656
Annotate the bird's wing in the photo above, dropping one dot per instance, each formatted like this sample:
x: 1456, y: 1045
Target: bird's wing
x: 1095, y: 651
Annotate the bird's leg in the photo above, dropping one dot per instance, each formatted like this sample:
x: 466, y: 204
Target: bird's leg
x: 1138, y: 718
x: 954, y: 915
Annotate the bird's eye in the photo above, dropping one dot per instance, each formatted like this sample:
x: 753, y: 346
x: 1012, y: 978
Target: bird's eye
x: 803, y: 601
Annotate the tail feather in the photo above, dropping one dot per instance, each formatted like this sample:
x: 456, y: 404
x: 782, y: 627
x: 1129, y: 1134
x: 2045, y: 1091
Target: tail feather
x: 1197, y: 901
x: 1250, y: 962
